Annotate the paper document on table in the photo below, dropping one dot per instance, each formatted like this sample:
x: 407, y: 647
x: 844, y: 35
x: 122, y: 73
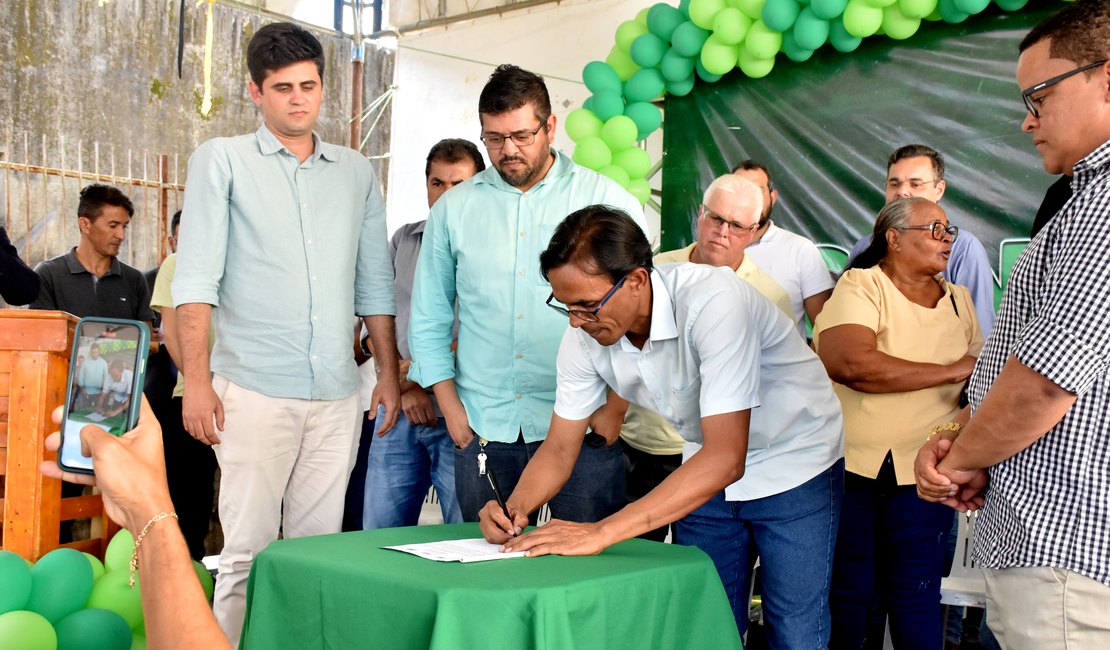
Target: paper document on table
x: 457, y: 550
x: 96, y: 417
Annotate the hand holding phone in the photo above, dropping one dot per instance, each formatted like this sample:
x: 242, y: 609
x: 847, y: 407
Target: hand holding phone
x: 105, y: 384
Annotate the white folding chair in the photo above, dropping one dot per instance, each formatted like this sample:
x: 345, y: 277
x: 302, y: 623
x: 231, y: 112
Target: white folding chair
x: 964, y: 586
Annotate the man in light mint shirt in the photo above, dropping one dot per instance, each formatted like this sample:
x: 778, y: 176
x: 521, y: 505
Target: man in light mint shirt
x: 481, y: 246
x: 285, y: 235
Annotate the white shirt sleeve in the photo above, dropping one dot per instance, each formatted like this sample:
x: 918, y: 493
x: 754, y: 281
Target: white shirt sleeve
x: 579, y: 390
x: 815, y: 276
x: 727, y: 340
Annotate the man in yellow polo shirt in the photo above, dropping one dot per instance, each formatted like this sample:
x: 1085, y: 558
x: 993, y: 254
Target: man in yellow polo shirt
x: 728, y: 216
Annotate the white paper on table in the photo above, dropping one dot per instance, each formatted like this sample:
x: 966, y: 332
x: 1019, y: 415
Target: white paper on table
x: 96, y: 417
x: 457, y: 550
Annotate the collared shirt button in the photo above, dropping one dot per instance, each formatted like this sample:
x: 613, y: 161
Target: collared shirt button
x: 518, y: 396
x: 521, y: 273
x: 523, y: 233
x: 520, y: 316
x: 519, y: 356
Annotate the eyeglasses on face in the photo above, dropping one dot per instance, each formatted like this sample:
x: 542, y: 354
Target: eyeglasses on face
x: 914, y: 183
x: 494, y: 141
x: 1027, y: 94
x: 937, y: 229
x: 717, y: 222
x: 588, y: 315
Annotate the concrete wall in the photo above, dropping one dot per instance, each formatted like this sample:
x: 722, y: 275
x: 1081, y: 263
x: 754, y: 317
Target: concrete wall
x: 77, y: 73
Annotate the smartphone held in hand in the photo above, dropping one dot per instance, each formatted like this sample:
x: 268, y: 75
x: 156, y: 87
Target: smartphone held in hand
x: 105, y: 384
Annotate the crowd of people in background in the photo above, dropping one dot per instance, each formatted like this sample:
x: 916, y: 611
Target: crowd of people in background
x: 526, y: 329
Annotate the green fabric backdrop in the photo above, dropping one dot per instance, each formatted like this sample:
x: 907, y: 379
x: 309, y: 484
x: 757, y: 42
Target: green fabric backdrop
x: 825, y: 128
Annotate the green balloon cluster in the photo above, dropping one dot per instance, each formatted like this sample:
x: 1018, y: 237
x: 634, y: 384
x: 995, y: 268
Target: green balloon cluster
x: 68, y: 600
x: 665, y: 49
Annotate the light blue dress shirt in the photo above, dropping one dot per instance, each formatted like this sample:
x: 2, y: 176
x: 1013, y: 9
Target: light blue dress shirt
x: 482, y: 243
x: 287, y: 252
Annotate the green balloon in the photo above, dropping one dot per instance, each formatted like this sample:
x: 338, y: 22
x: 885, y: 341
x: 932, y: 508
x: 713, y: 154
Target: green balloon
x: 752, y: 8
x: 114, y: 593
x: 93, y: 629
x: 648, y: 50
x: 592, y: 153
x: 880, y: 3
x: 118, y: 554
x: 205, y: 577
x: 717, y: 57
x: 60, y: 584
x: 897, y: 25
x: 762, y: 42
x: 731, y: 26
x: 680, y: 88
x: 950, y: 13
x: 755, y: 67
x: 1011, y: 5
x: 15, y: 576
x: 627, y: 32
x: 138, y: 641
x: 810, y: 32
x: 793, y: 51
x: 639, y: 188
x: 684, y: 7
x: 600, y: 76
x: 616, y: 173
x: 641, y: 16
x: 26, y: 631
x: 705, y: 75
x: 972, y: 7
x: 619, y: 133
x: 621, y: 63
x: 841, y: 40
x: 780, y: 15
x: 96, y: 564
x: 688, y: 39
x: 647, y: 117
x: 582, y: 123
x: 828, y: 9
x: 861, y: 19
x: 662, y: 19
x: 917, y: 8
x: 645, y: 85
x: 606, y: 104
x: 702, y: 12
x: 676, y: 67
x: 634, y: 161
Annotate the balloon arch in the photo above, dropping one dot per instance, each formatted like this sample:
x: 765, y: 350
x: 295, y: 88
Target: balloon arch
x: 665, y: 48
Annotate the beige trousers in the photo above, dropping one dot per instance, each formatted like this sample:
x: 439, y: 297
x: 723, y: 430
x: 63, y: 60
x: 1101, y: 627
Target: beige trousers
x: 1046, y: 608
x: 284, y: 464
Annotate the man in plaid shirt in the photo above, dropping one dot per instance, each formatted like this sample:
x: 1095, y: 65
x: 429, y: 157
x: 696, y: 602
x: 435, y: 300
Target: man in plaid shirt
x: 1035, y: 453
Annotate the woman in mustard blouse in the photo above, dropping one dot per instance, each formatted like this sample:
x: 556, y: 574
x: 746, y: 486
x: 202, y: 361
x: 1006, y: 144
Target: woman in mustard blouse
x: 899, y: 342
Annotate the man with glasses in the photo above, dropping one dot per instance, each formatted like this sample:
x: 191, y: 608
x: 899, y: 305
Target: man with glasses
x: 724, y: 367
x: 728, y: 216
x: 918, y: 170
x: 1037, y: 436
x: 480, y: 248
x: 790, y: 259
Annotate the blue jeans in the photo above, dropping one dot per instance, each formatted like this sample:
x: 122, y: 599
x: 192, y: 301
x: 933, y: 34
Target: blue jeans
x: 594, y: 490
x: 890, y: 552
x: 402, y: 465
x: 793, y: 534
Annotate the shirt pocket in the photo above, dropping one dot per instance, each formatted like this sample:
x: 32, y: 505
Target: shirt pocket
x: 686, y: 405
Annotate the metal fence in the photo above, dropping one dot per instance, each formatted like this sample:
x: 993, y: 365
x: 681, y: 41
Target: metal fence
x: 41, y: 183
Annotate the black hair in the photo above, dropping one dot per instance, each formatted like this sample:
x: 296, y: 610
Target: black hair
x: 175, y: 221
x: 277, y: 45
x: 1079, y: 33
x: 893, y: 216
x: 95, y: 197
x: 755, y: 165
x: 509, y: 88
x: 599, y: 240
x: 452, y: 150
x: 915, y: 151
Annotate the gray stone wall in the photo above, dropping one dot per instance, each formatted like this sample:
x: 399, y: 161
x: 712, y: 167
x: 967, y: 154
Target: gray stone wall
x: 96, y: 86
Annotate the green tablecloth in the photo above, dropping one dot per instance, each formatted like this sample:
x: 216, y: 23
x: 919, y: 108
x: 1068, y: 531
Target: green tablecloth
x: 345, y: 591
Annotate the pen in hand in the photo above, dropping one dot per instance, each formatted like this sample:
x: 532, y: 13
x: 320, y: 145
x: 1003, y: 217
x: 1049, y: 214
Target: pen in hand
x: 500, y: 499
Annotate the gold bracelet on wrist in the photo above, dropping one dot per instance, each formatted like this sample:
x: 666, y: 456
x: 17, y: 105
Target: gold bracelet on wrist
x: 947, y: 426
x: 139, y: 541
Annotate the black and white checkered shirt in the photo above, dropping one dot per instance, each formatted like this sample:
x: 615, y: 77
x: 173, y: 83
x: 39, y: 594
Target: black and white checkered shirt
x: 1049, y: 505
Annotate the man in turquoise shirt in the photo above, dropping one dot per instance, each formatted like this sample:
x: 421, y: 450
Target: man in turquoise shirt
x: 285, y: 234
x: 481, y: 247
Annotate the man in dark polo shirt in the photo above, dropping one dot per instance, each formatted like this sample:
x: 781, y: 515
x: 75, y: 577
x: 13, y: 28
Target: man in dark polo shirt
x: 89, y: 280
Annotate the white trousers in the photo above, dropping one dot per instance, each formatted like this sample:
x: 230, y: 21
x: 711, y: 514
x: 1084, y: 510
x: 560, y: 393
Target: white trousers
x: 1046, y: 608
x: 284, y: 466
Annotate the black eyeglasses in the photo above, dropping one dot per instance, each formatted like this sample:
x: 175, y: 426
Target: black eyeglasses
x: 589, y: 315
x: 1027, y: 94
x: 937, y: 229
x: 914, y: 183
x: 520, y: 138
x: 734, y: 228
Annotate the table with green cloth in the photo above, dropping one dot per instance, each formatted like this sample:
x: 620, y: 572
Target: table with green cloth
x: 346, y: 591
